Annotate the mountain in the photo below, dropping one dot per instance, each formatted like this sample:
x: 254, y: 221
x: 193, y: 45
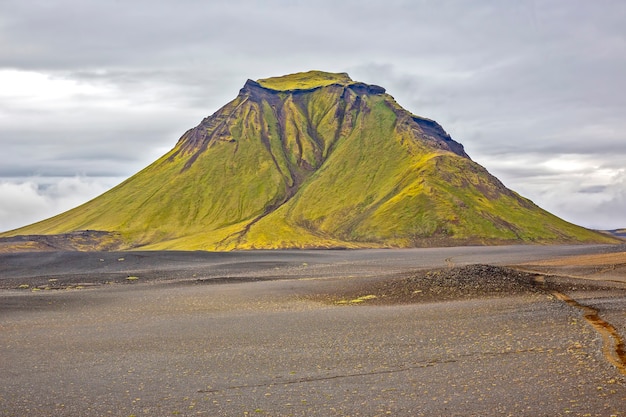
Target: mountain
x: 618, y: 233
x: 310, y: 160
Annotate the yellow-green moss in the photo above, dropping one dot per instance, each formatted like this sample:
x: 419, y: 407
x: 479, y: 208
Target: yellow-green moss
x: 305, y: 80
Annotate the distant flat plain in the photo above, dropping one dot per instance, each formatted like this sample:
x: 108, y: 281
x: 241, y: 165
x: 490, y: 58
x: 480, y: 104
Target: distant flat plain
x: 294, y: 333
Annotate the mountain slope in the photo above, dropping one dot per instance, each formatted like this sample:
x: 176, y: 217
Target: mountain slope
x: 313, y: 160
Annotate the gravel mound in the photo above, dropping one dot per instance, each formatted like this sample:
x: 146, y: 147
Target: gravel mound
x: 465, y: 282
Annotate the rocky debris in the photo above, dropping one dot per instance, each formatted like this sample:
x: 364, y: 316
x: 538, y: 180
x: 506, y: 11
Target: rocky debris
x: 465, y: 282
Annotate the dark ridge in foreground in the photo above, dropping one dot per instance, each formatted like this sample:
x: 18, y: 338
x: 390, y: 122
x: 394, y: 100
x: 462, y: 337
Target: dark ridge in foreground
x: 79, y: 240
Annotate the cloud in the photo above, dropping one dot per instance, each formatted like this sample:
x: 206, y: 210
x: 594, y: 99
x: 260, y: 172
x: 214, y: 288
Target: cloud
x: 577, y: 188
x: 601, y: 206
x: 59, y: 126
x: 29, y: 200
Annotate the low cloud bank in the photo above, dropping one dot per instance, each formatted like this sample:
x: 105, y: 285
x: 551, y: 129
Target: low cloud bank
x: 28, y: 200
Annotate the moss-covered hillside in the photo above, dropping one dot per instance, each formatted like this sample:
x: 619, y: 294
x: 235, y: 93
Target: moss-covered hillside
x: 313, y: 160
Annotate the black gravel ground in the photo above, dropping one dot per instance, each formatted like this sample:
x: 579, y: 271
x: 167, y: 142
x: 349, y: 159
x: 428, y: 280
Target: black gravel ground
x: 449, y: 332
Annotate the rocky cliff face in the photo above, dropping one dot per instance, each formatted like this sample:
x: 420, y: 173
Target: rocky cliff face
x: 314, y: 160
x: 349, y: 105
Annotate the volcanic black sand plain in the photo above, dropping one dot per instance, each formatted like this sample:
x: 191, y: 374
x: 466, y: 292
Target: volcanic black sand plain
x: 468, y: 331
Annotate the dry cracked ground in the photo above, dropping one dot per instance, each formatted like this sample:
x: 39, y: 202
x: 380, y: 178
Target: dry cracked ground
x: 504, y: 331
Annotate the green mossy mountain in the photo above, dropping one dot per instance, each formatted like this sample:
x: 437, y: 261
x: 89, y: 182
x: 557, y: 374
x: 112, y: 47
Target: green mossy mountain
x: 313, y: 160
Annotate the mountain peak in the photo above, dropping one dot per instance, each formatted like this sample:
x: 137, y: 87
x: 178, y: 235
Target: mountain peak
x: 309, y: 81
x: 305, y: 80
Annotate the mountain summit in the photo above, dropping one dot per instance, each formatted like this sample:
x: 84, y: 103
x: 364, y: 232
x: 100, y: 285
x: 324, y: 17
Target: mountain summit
x: 312, y: 160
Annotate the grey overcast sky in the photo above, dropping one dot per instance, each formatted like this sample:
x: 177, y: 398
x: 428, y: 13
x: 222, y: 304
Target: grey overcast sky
x: 92, y: 91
